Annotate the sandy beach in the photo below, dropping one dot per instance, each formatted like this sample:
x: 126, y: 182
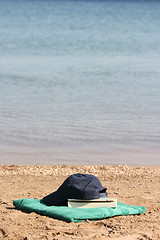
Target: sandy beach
x: 135, y: 185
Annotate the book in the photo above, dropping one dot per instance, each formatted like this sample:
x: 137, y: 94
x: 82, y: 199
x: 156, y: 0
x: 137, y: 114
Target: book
x: 93, y: 203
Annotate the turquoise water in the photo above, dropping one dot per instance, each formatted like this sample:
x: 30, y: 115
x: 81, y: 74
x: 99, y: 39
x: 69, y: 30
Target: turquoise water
x: 79, y: 78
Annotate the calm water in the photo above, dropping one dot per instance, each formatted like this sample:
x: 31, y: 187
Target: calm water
x: 79, y: 81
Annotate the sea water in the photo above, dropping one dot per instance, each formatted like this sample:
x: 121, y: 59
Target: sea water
x: 79, y: 81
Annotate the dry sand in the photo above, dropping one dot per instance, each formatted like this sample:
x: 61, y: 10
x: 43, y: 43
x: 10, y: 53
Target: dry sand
x: 130, y: 185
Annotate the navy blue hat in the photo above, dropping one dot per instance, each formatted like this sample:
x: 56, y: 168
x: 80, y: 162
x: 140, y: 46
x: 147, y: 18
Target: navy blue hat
x: 76, y: 186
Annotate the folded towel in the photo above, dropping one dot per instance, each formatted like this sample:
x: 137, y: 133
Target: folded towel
x: 75, y: 214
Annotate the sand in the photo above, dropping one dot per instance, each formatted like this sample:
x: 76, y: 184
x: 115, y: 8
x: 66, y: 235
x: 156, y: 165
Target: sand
x: 129, y: 184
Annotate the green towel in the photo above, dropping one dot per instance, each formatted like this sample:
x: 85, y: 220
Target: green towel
x: 75, y: 214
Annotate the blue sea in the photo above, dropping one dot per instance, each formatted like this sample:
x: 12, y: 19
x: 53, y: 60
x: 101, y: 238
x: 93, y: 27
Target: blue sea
x: 80, y: 82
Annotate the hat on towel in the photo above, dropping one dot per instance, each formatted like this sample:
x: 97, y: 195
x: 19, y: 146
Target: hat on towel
x: 76, y: 186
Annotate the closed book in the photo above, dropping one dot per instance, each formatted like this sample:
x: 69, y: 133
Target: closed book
x: 93, y: 203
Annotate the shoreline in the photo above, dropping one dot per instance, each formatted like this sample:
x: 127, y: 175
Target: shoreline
x: 61, y: 169
x: 109, y: 156
x: 71, y: 157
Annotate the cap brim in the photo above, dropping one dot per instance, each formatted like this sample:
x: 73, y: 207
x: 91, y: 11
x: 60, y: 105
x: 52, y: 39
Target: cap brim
x: 54, y: 199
